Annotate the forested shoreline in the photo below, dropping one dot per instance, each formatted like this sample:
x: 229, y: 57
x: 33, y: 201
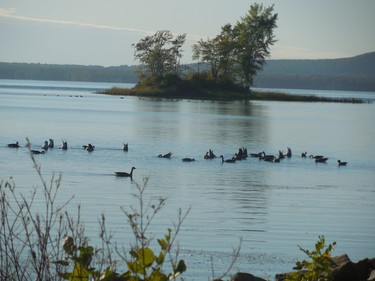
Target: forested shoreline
x: 292, y: 74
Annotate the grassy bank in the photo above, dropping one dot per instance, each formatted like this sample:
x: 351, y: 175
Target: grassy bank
x: 209, y: 90
x: 224, y: 95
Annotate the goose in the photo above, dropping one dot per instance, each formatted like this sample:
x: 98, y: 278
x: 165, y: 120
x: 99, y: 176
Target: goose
x: 277, y: 160
x: 45, y: 146
x: 316, y: 156
x: 37, y: 151
x: 14, y: 145
x: 256, y: 155
x: 188, y: 159
x: 168, y: 155
x: 125, y: 174
x: 64, y: 145
x: 281, y: 155
x: 321, y: 160
x: 126, y: 147
x: 242, y: 153
x: 233, y: 160
x: 210, y: 155
x: 89, y: 147
x: 340, y: 163
x: 51, y: 143
x: 265, y: 157
x: 303, y: 154
x: 289, y: 153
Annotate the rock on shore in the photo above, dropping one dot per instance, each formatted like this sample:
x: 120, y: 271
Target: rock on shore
x: 346, y: 270
x: 343, y: 270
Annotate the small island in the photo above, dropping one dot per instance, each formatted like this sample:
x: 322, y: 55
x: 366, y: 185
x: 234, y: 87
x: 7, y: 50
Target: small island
x: 201, y: 89
x: 226, y: 64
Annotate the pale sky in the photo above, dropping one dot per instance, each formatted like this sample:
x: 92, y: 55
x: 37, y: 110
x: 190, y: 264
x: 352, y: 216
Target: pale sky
x: 97, y: 32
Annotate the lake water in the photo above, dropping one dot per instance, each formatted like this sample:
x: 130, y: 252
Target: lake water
x: 273, y: 207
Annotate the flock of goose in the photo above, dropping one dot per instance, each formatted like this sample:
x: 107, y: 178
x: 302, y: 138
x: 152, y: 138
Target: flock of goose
x: 242, y: 154
x: 88, y: 147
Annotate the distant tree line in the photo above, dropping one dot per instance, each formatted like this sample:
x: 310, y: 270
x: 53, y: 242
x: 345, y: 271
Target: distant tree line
x: 316, y: 82
x: 270, y: 77
x: 52, y: 72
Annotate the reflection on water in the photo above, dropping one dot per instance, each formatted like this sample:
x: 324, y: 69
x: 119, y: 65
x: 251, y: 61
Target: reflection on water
x: 272, y: 207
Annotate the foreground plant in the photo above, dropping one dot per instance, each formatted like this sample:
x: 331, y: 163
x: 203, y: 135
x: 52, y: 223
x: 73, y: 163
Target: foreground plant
x: 31, y: 239
x: 318, y: 268
x: 142, y: 262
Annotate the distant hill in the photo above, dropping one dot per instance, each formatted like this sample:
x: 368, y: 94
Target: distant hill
x: 355, y: 73
x: 57, y: 72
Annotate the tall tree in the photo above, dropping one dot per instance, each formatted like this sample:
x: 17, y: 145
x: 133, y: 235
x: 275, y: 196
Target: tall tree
x: 227, y: 52
x: 217, y: 52
x: 254, y: 36
x: 160, y: 53
x: 207, y: 51
x: 239, y: 52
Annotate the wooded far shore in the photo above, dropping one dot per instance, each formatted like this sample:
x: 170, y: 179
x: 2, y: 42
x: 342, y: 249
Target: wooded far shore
x: 344, y: 74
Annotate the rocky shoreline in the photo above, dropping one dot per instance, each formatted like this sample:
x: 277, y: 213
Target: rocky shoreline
x: 343, y: 270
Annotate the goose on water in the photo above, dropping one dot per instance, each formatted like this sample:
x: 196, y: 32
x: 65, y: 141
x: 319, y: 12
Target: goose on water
x: 37, y: 151
x: 45, y: 146
x: 126, y: 147
x: 256, y: 155
x: 64, y: 145
x: 321, y: 160
x: 316, y: 156
x: 340, y: 163
x: 210, y: 155
x: 168, y: 155
x: 14, y: 145
x: 125, y: 174
x: 188, y: 159
x: 233, y: 160
x: 265, y: 157
x: 289, y: 153
x: 51, y: 143
x: 89, y: 147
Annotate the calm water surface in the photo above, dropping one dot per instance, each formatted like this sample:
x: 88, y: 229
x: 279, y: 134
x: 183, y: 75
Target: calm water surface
x: 272, y: 207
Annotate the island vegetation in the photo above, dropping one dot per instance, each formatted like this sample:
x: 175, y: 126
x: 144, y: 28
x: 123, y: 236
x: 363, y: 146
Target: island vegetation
x: 229, y: 61
x: 233, y: 58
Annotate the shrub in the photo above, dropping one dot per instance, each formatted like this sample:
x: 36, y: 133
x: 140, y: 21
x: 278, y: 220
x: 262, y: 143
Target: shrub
x: 318, y: 268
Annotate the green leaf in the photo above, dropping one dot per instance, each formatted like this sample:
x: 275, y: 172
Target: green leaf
x: 79, y: 273
x: 86, y: 254
x: 157, y: 276
x: 163, y: 244
x: 160, y: 259
x: 181, y: 267
x: 134, y: 254
x: 146, y: 257
x: 135, y: 267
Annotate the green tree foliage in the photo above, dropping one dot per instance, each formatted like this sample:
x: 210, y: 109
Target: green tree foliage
x: 160, y: 54
x: 318, y: 268
x: 254, y: 36
x: 240, y: 51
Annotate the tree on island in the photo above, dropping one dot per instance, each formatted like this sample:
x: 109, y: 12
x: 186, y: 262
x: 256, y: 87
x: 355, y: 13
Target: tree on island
x: 160, y: 54
x: 239, y: 52
x: 233, y: 57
